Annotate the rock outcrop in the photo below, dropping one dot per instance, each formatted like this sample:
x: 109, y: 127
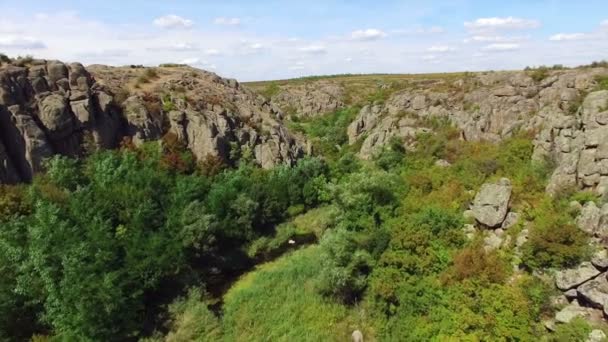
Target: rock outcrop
x: 491, y: 204
x: 49, y: 108
x: 309, y: 100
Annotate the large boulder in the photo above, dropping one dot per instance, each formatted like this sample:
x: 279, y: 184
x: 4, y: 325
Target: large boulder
x: 56, y: 117
x: 571, y: 278
x: 595, y: 291
x: 589, y: 218
x: 570, y: 312
x: 142, y: 125
x: 491, y: 204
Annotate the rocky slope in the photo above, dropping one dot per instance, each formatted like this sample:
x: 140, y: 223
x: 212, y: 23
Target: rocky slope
x: 48, y: 107
x: 562, y: 109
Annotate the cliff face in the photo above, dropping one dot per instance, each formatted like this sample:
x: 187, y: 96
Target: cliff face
x: 564, y: 110
x: 48, y: 107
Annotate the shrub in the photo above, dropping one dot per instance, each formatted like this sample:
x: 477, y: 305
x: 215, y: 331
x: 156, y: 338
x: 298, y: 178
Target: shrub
x: 554, y: 241
x: 577, y: 330
x: 4, y: 59
x: 474, y: 263
x: 602, y: 82
x: 191, y: 320
x: 539, y: 74
x: 345, y: 266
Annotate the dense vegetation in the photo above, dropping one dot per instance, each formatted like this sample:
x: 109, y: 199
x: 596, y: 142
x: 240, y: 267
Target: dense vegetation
x: 143, y: 243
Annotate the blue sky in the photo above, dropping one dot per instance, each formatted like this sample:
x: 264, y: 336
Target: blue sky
x: 256, y: 40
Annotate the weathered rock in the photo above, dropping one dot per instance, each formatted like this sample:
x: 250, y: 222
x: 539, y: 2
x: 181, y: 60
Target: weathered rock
x: 571, y: 294
x: 469, y: 231
x: 442, y: 163
x: 570, y: 278
x: 570, y: 312
x: 492, y: 203
x: 56, y: 117
x: 600, y: 259
x: 522, y: 238
x: 50, y: 108
x: 589, y: 218
x: 510, y: 220
x: 595, y: 291
x: 596, y: 335
x: 357, y: 336
x: 8, y: 173
x: 306, y: 100
x: 492, y: 241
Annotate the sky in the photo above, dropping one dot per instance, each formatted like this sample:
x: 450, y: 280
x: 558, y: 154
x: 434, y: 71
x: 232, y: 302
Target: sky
x: 263, y: 40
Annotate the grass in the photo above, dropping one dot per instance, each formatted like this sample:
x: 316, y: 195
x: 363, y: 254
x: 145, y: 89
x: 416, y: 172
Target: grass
x: 278, y: 302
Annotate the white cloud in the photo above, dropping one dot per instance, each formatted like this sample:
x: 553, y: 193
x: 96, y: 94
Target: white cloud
x: 429, y: 57
x: 419, y: 31
x: 183, y: 47
x: 227, y: 21
x: 173, y: 21
x: 255, y: 46
x: 501, y: 47
x: 604, y: 23
x: 496, y: 23
x: 18, y: 42
x: 212, y: 52
x: 567, y: 36
x: 296, y: 67
x: 495, y: 39
x: 440, y: 48
x: 192, y: 61
x: 368, y: 34
x: 348, y: 59
x: 314, y: 49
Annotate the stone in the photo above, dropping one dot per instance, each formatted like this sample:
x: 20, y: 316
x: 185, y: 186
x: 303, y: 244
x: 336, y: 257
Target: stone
x: 510, y: 220
x: 442, y: 163
x: 492, y: 241
x: 491, y: 204
x: 571, y: 294
x: 357, y: 336
x: 589, y: 218
x: 469, y: 231
x: 595, y: 291
x: 600, y: 259
x: 602, y: 228
x: 505, y: 91
x: 522, y: 238
x: 596, y: 335
x: 570, y: 312
x: 570, y: 278
x: 56, y: 117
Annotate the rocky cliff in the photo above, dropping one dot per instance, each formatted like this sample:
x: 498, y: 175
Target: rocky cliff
x: 562, y: 109
x: 48, y: 107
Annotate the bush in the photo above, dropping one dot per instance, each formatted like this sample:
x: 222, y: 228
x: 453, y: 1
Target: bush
x: 554, y: 241
x: 191, y: 320
x: 602, y: 82
x: 346, y: 266
x: 473, y: 263
x: 539, y: 74
x: 577, y: 330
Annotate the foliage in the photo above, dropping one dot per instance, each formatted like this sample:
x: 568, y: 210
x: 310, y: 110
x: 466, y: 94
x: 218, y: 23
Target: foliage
x: 277, y: 302
x: 602, y: 82
x: 271, y: 90
x: 191, y: 320
x: 554, y: 240
x: 577, y: 330
x: 328, y: 132
x: 109, y: 231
